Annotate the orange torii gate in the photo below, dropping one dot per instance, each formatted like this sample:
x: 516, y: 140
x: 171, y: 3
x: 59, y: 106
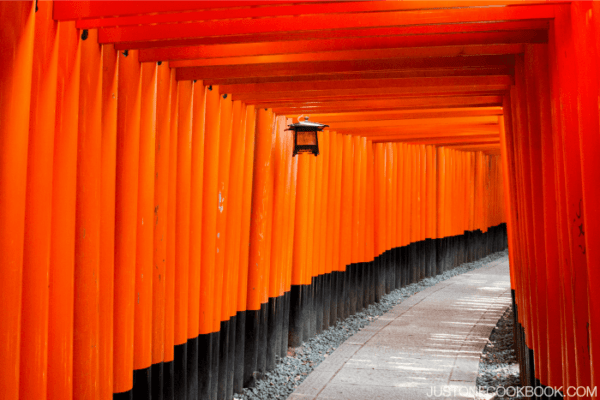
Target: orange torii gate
x: 160, y: 240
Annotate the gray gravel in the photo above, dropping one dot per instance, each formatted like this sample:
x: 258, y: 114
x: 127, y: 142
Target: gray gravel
x: 498, y: 367
x: 300, y: 361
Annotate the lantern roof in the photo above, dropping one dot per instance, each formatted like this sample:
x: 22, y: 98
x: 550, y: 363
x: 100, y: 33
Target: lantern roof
x: 307, y: 125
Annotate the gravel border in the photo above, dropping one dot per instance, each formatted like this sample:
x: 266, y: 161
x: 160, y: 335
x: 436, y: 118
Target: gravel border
x: 498, y: 367
x: 300, y: 361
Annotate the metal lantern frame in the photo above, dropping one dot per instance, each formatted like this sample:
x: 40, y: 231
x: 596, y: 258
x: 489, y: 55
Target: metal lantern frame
x: 306, y: 126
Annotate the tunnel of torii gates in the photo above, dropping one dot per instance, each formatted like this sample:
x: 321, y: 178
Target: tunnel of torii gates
x: 160, y: 240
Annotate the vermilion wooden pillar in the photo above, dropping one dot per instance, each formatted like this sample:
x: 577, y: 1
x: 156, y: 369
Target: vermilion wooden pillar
x: 299, y: 261
x: 182, y: 232
x: 523, y: 299
x: 507, y: 143
x: 234, y: 218
x: 87, y: 227
x: 538, y: 125
x: 508, y: 168
x: 567, y: 89
x: 567, y: 333
x: 126, y: 194
x: 209, y: 227
x: 586, y: 34
x: 221, y: 318
x: 539, y: 54
x: 209, y: 208
x: 246, y: 207
x: 16, y: 41
x: 244, y: 241
x: 370, y: 203
x: 521, y: 139
x: 338, y: 201
x: 160, y: 207
x: 278, y: 240
x: 62, y: 253
x: 107, y: 223
x: 169, y: 367
x: 145, y: 232
x: 38, y: 211
x: 258, y: 264
x: 195, y: 254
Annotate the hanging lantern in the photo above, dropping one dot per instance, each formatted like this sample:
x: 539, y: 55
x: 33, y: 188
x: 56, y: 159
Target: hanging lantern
x: 305, y: 136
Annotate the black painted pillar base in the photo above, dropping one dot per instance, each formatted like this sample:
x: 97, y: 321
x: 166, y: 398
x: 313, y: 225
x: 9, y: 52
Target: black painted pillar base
x: 377, y: 278
x: 360, y: 286
x: 341, y: 295
x: 431, y: 258
x: 158, y: 387
x: 385, y: 269
x: 306, y: 304
x: 274, y: 328
x: 215, y: 338
x: 279, y: 306
x: 352, y: 287
x: 223, y: 360
x: 397, y: 252
x: 414, y: 263
x: 385, y: 272
x: 333, y: 298
x: 231, y: 357
x: 327, y: 300
x: 400, y: 267
x: 205, y: 363
x: 261, y: 363
x: 180, y: 361
x: 310, y: 309
x: 240, y: 341
x: 192, y: 368
x: 422, y: 260
x: 142, y: 384
x: 251, y: 347
x: 128, y: 395
x: 286, y: 324
x: 296, y: 320
x: 391, y: 275
x: 319, y: 304
x: 370, y: 279
x: 169, y: 380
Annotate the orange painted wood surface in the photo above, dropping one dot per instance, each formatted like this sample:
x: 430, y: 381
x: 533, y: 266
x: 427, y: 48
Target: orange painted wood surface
x: 148, y: 190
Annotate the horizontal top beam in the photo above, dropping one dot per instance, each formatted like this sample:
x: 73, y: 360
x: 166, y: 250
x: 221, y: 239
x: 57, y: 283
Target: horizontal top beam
x: 464, y: 81
x: 474, y: 147
x: 465, y: 141
x: 339, y: 34
x: 406, y: 114
x: 360, y: 43
x: 442, y: 136
x: 316, y: 97
x: 342, y: 66
x: 406, y: 123
x: 368, y: 54
x: 78, y: 9
x: 256, y: 10
x: 324, y: 22
x: 387, y: 104
x: 422, y: 129
x: 361, y: 75
x: 447, y: 142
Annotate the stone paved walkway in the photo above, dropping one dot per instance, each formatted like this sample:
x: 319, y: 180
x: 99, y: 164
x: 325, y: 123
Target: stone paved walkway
x: 426, y: 347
